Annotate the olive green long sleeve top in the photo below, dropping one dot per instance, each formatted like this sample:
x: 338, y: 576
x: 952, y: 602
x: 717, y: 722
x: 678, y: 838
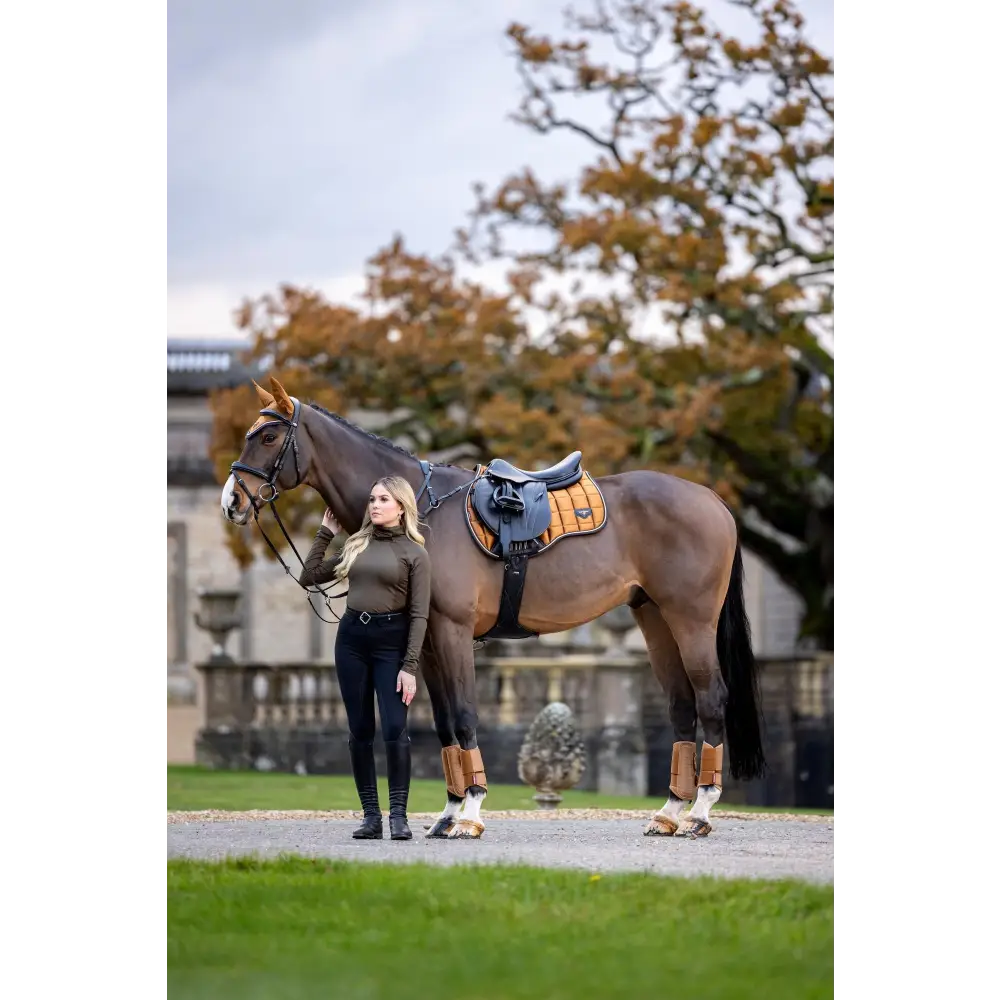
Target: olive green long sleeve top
x: 392, y: 574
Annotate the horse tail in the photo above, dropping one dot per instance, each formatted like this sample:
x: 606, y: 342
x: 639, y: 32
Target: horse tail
x: 739, y: 670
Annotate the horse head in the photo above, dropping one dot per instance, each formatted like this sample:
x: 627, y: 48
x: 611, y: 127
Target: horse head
x: 271, y: 460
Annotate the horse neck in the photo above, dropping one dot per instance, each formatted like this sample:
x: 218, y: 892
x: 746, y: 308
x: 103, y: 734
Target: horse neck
x: 345, y: 462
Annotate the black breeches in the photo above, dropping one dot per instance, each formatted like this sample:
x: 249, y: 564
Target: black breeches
x: 368, y: 661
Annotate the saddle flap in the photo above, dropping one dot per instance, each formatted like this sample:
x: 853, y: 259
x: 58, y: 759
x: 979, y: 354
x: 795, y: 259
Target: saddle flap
x: 535, y: 517
x: 529, y: 523
x: 482, y: 503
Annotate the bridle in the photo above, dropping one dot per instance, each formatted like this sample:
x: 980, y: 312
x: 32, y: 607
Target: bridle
x: 257, y: 500
x: 270, y: 480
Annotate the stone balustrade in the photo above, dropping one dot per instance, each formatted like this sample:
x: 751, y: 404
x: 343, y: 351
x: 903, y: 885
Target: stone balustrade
x: 290, y: 716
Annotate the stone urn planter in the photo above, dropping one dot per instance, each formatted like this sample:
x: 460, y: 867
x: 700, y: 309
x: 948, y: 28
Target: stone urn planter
x: 218, y: 615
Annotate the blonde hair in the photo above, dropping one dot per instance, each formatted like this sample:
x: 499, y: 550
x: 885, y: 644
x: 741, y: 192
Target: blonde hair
x: 400, y: 491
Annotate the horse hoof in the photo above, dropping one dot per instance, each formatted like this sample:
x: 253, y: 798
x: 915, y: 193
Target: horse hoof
x: 440, y: 830
x: 696, y: 828
x: 660, y: 826
x: 467, y: 829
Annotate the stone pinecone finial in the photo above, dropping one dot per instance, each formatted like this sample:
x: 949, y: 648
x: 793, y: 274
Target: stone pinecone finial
x: 553, y: 756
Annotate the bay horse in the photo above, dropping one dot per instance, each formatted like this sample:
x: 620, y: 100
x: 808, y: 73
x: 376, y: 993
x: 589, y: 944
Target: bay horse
x: 668, y: 549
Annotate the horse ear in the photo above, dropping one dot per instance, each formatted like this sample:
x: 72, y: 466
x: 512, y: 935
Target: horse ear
x: 281, y: 397
x: 266, y: 399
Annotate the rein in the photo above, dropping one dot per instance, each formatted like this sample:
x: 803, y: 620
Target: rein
x: 271, y: 484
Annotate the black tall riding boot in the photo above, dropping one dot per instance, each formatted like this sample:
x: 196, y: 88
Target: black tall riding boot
x: 397, y: 755
x: 363, y: 765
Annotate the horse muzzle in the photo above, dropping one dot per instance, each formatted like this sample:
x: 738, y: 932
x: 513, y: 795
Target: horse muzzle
x: 231, y: 497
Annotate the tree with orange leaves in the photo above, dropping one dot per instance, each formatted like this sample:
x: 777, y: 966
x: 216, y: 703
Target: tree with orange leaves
x: 709, y: 200
x: 685, y: 284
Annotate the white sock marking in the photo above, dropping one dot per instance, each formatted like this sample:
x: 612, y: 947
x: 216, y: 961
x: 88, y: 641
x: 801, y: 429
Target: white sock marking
x: 450, y: 811
x: 708, y: 795
x: 672, y: 809
x: 472, y: 804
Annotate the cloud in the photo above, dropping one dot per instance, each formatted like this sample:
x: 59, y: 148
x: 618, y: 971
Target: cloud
x: 312, y: 155
x: 201, y: 310
x: 204, y: 310
x: 302, y: 137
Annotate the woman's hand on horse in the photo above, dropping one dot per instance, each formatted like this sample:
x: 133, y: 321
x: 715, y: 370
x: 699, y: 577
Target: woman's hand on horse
x: 406, y: 683
x: 329, y: 521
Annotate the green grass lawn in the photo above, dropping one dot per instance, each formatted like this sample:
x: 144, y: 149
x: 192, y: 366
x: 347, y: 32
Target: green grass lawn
x: 192, y: 788
x: 298, y: 929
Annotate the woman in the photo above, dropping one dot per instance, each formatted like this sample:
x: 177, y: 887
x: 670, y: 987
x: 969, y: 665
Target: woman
x: 379, y: 638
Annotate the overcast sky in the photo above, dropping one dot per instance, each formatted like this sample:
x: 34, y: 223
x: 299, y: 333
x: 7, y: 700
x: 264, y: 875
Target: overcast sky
x: 303, y: 134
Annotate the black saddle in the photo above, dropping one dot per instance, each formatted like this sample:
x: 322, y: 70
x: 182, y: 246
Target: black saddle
x: 513, y: 504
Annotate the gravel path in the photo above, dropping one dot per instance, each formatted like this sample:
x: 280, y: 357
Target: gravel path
x: 225, y: 816
x: 744, y: 847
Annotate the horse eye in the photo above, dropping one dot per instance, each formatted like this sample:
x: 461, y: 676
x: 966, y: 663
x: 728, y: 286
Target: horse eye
x: 270, y: 438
